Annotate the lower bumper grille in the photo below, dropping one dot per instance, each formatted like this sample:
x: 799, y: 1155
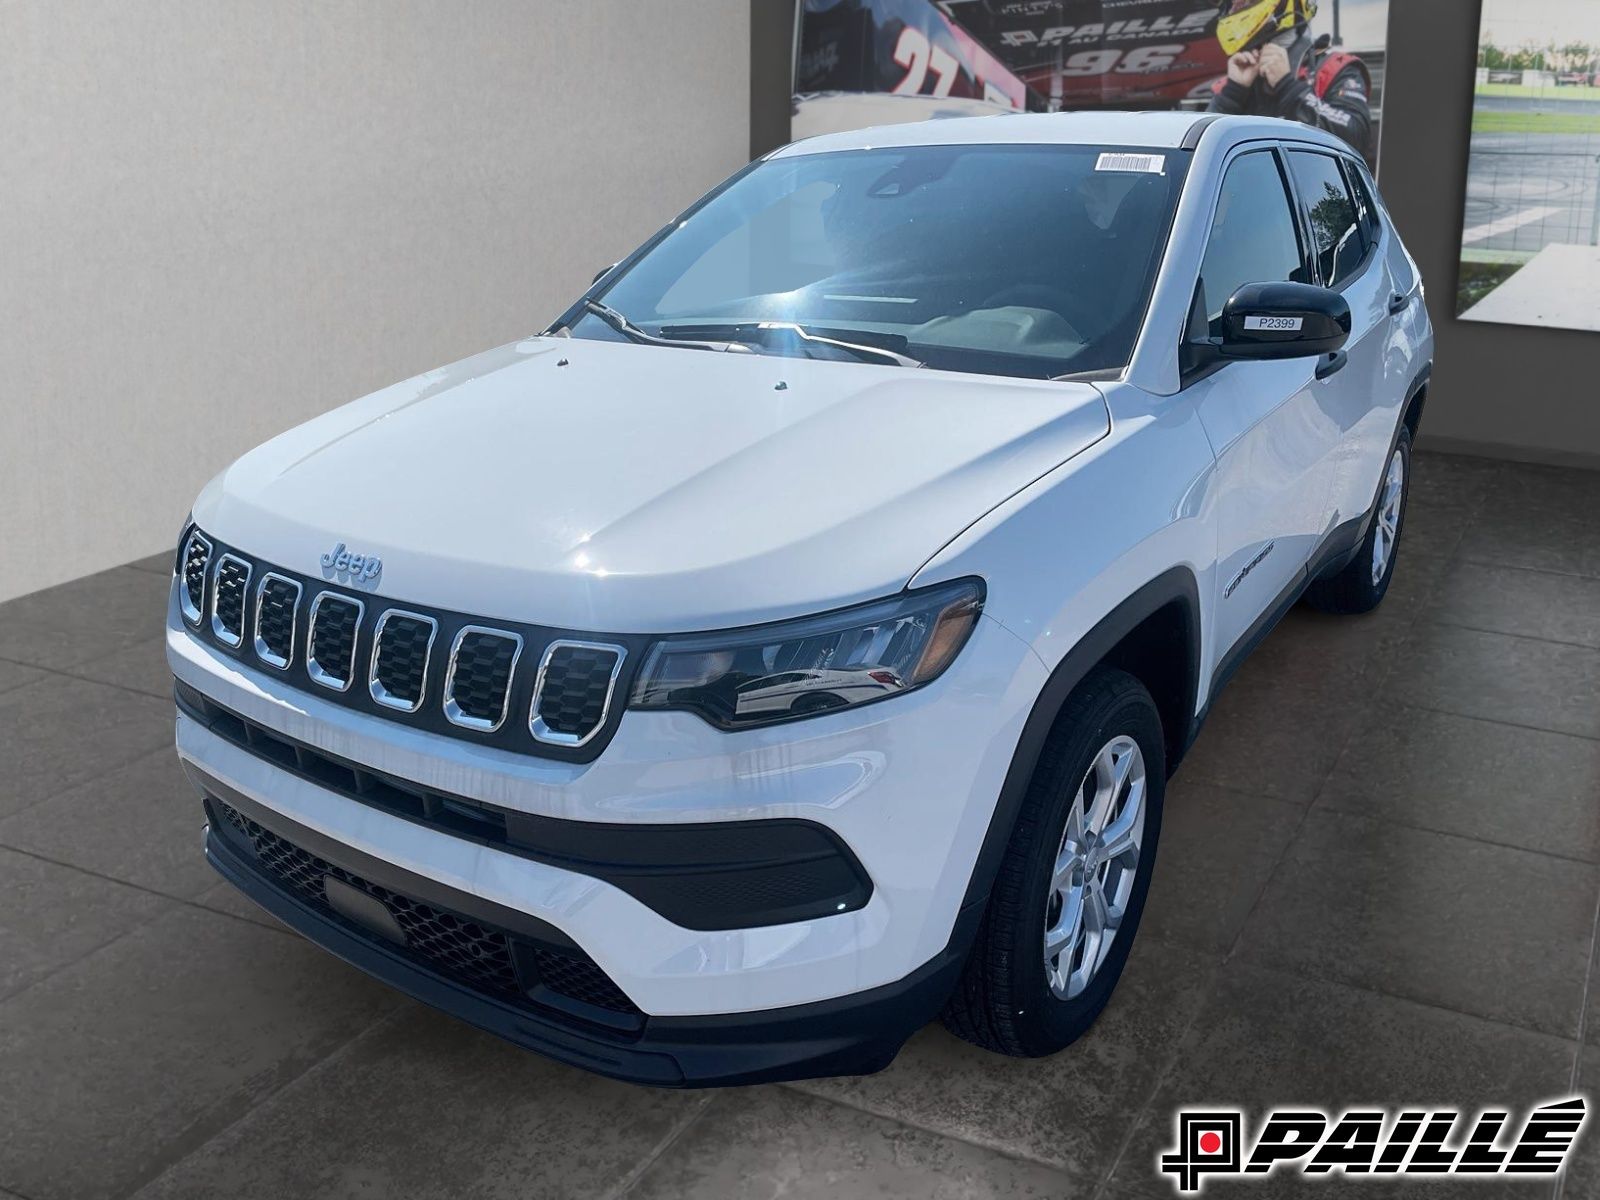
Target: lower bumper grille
x: 482, y: 956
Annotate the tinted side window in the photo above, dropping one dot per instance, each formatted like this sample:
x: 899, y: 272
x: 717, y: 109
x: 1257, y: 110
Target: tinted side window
x: 1365, y: 207
x: 1336, y: 234
x: 1253, y: 236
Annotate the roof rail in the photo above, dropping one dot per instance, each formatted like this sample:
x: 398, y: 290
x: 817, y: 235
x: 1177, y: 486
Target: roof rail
x: 1192, y: 138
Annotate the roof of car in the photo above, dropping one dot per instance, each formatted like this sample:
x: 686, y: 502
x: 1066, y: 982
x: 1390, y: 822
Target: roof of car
x: 1155, y: 130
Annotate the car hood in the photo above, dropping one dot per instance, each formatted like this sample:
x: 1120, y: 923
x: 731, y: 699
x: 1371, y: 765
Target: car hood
x: 635, y: 489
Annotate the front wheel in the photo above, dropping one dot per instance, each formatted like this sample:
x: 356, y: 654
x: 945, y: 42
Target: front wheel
x: 1363, y: 582
x: 1072, y: 886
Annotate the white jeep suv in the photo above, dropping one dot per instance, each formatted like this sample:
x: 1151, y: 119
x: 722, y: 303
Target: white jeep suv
x: 792, y: 643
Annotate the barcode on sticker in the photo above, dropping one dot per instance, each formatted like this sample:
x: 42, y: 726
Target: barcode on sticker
x: 1148, y: 164
x: 1289, y: 323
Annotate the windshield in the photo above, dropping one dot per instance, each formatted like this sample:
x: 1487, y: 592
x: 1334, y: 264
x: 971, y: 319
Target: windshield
x: 1032, y: 261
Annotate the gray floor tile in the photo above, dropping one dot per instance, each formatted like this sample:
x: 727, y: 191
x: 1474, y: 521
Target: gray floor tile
x: 13, y: 675
x: 1530, y: 488
x: 765, y: 1143
x: 159, y: 563
x: 1458, y: 480
x: 51, y: 916
x: 141, y: 667
x: 1480, y: 779
x: 1552, y: 540
x: 140, y: 1053
x: 1434, y: 528
x: 1018, y: 1105
x: 57, y: 732
x: 1583, y: 1163
x: 140, y: 823
x: 1277, y: 728
x: 1267, y: 1039
x: 223, y: 897
x: 1537, y: 604
x: 84, y: 619
x: 1217, y: 849
x: 1498, y: 677
x: 462, y: 1114
x: 1483, y: 929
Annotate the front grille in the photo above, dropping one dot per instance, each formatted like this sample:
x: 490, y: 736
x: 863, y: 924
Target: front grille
x: 476, y: 953
x: 196, y: 562
x: 576, y: 976
x: 277, y: 600
x: 574, y: 690
x: 331, y: 647
x: 512, y: 686
x: 400, y: 649
x: 478, y: 686
x: 227, y: 599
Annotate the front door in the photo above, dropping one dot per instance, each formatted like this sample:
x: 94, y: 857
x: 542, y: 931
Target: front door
x: 1272, y: 434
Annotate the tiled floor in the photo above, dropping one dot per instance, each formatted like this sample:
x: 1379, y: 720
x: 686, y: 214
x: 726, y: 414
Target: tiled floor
x: 1378, y: 883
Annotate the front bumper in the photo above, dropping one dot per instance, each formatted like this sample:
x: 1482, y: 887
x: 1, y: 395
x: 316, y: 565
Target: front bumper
x: 908, y: 787
x: 849, y: 1035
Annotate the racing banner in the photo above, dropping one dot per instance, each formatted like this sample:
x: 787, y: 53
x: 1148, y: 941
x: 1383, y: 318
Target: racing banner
x: 866, y: 62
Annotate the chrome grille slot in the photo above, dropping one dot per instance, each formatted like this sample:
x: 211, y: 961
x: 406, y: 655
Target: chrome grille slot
x: 277, y: 603
x: 196, y: 561
x: 228, y: 593
x: 331, y: 644
x: 572, y: 694
x: 402, y: 643
x: 477, y: 689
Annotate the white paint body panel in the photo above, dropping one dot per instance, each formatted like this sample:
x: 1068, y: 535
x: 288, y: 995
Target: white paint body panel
x: 642, y: 490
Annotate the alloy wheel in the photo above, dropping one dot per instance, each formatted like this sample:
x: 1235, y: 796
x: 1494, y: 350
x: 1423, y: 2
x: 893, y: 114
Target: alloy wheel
x: 1394, y: 489
x: 1095, y: 867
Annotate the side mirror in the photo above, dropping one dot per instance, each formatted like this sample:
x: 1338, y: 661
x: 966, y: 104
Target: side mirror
x: 1283, y: 320
x: 602, y: 273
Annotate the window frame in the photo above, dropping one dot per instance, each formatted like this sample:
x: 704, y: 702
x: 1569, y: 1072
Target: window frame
x: 1343, y: 166
x: 1204, y: 370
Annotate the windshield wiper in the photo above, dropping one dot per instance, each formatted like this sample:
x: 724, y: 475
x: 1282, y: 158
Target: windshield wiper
x: 633, y: 333
x: 756, y: 333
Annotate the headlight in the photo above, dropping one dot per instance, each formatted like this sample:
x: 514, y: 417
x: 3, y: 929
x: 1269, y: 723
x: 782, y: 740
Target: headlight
x: 791, y: 669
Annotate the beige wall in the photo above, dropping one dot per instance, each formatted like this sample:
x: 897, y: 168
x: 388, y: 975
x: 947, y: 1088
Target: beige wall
x: 220, y: 218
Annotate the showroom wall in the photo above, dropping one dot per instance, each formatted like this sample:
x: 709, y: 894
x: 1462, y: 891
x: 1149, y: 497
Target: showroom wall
x: 1511, y: 391
x: 220, y: 219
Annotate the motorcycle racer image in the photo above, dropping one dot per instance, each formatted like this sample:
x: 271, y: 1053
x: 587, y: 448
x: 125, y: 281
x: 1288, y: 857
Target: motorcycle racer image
x: 1275, y: 69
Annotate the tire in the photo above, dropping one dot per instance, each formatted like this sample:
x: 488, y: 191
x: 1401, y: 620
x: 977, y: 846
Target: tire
x: 1005, y: 1000
x: 1360, y: 586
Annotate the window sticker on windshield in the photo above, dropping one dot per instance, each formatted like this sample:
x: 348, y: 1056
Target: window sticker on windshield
x: 1146, y: 164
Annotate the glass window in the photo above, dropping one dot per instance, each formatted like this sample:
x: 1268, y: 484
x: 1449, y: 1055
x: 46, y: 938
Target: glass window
x: 1253, y: 236
x: 1013, y: 260
x: 1336, y: 233
x: 1366, y: 209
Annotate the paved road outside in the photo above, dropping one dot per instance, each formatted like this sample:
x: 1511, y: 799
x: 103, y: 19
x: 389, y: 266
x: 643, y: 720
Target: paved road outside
x: 1525, y: 191
x: 1378, y: 883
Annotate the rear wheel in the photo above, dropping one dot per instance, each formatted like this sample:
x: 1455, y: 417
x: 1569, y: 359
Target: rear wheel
x: 1363, y: 582
x: 1072, y: 886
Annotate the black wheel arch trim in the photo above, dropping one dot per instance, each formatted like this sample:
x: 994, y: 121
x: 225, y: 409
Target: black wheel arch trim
x: 1177, y: 585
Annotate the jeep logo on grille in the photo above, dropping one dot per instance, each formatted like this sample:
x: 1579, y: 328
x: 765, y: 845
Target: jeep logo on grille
x: 361, y: 568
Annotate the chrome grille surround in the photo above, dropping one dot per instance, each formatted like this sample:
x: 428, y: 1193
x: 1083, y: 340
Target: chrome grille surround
x: 541, y: 729
x: 229, y: 592
x: 196, y: 567
x: 314, y: 668
x: 263, y: 645
x: 453, y: 710
x: 375, y: 685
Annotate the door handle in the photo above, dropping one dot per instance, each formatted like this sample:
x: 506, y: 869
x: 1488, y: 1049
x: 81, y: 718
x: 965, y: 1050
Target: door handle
x: 1331, y: 363
x: 1398, y: 303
